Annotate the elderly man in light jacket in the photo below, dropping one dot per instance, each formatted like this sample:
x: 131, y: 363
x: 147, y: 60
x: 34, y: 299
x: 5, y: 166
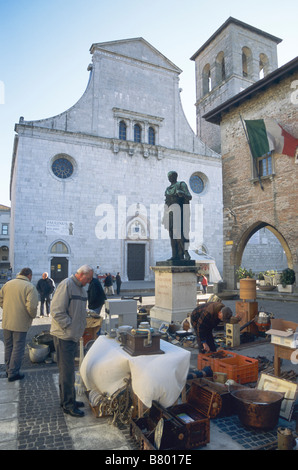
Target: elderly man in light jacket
x: 19, y: 300
x: 68, y: 311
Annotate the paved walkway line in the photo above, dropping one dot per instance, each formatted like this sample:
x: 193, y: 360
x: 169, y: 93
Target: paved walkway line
x: 9, y: 403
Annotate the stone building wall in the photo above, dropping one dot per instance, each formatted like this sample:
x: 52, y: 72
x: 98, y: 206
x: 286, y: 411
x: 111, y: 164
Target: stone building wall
x: 247, y: 207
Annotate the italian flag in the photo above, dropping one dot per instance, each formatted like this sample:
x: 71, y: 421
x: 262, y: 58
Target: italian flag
x: 266, y: 135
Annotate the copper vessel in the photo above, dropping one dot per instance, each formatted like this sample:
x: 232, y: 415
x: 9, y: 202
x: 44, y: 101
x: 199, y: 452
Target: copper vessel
x: 258, y: 408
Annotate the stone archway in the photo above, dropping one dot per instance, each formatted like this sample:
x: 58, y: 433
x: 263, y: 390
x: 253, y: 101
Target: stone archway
x: 239, y: 249
x: 251, y: 231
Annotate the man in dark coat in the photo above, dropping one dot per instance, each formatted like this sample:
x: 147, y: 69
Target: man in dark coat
x: 96, y: 295
x: 206, y: 317
x: 118, y: 283
x: 45, y: 287
x: 108, y: 284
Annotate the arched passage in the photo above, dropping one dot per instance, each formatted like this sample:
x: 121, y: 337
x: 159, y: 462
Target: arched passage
x: 251, y: 231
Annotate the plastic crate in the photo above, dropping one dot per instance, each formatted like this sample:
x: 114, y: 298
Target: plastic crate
x: 242, y: 369
x: 207, y: 359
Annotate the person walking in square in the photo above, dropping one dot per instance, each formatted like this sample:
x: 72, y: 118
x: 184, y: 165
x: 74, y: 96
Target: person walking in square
x: 45, y: 287
x: 204, y: 283
x: 19, y: 300
x: 118, y: 283
x: 108, y: 284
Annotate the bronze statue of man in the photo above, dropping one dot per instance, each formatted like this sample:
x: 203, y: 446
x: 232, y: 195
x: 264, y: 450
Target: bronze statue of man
x: 177, y: 216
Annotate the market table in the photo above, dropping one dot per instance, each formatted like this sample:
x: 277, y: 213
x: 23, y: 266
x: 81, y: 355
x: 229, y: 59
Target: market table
x: 161, y: 377
x: 281, y: 352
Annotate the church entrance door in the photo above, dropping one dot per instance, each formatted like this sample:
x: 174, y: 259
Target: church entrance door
x: 136, y: 261
x: 59, y: 269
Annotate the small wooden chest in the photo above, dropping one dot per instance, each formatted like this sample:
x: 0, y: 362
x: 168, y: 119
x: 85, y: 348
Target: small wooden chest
x: 186, y: 425
x: 140, y: 344
x: 144, y: 429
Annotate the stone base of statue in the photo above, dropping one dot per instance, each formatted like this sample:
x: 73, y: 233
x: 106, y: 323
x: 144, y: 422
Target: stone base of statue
x: 176, y: 262
x: 175, y: 291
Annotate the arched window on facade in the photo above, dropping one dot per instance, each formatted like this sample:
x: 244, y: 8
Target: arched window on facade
x: 59, y: 248
x: 264, y: 66
x: 122, y: 130
x: 137, y: 130
x: 151, y: 136
x: 246, y: 62
x: 220, y: 71
x: 206, y: 79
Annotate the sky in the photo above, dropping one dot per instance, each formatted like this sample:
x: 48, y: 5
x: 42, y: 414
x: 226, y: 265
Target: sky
x: 45, y: 49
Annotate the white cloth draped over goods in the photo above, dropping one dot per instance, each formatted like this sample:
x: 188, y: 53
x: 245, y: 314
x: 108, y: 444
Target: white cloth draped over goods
x: 159, y: 377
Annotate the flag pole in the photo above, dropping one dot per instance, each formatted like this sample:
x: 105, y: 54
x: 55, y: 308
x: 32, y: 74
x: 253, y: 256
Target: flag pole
x: 254, y: 160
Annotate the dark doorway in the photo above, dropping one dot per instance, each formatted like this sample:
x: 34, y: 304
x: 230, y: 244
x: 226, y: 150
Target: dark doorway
x: 59, y: 269
x: 136, y: 261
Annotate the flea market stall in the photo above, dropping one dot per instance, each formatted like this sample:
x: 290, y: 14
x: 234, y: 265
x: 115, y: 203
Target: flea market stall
x: 141, y: 376
x: 159, y: 377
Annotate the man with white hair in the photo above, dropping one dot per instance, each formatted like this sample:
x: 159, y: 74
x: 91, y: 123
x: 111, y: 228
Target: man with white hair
x: 68, y: 311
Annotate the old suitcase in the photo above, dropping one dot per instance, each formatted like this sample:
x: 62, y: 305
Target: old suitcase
x: 185, y: 425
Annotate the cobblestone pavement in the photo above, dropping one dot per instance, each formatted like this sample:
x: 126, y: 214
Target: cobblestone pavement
x: 32, y: 419
x: 41, y: 423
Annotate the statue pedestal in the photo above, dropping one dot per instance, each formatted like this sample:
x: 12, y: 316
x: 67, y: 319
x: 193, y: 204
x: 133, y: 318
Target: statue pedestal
x: 175, y: 293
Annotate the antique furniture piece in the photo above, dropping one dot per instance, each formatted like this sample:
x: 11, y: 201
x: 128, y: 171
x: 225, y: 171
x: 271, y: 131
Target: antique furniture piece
x: 181, y: 426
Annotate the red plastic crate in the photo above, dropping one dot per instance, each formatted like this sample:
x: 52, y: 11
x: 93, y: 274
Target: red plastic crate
x: 242, y: 369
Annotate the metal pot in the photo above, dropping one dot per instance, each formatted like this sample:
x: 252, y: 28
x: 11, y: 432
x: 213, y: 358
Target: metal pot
x: 258, y: 408
x: 182, y: 333
x: 263, y: 321
x: 44, y: 337
x: 38, y: 352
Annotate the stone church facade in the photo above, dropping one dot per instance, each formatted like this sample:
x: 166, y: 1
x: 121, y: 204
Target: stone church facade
x: 87, y: 185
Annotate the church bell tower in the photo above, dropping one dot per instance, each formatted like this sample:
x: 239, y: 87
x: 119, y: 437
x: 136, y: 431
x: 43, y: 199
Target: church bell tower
x: 234, y: 57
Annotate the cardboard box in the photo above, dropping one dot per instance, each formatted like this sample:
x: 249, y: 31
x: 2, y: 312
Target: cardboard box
x: 283, y: 333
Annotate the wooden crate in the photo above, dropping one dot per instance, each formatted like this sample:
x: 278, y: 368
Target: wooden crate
x: 204, y: 398
x: 227, y: 400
